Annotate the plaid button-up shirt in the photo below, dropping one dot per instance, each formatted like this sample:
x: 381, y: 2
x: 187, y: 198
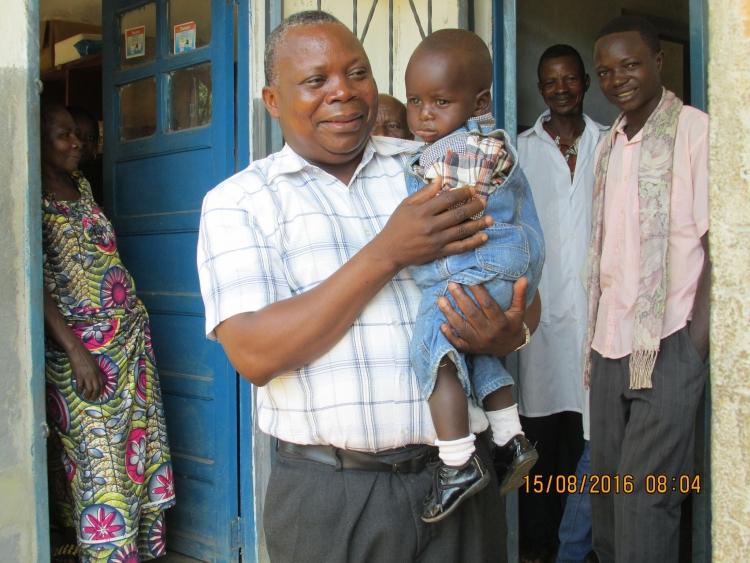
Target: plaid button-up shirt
x: 281, y: 227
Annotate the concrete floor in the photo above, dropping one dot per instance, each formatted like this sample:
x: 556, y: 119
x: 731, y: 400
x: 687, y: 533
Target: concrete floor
x: 172, y: 557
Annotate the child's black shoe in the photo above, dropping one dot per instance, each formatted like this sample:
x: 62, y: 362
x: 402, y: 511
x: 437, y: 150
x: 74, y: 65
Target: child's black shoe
x: 513, y: 461
x: 451, y: 486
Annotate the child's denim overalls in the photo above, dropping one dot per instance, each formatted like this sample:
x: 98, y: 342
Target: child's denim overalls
x: 515, y: 248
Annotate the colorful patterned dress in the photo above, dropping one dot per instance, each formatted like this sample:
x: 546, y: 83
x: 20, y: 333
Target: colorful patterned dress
x: 114, y: 450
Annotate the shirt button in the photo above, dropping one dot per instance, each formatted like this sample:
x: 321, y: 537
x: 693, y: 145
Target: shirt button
x: 394, y: 323
x: 405, y: 431
x: 625, y: 179
x: 367, y: 232
x: 402, y: 377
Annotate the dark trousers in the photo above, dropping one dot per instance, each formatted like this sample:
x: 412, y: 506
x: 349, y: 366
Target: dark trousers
x: 559, y: 442
x: 644, y: 433
x: 316, y: 514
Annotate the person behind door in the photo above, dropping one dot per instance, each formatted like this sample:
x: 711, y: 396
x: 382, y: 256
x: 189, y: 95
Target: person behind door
x: 391, y: 119
x: 648, y: 289
x: 302, y: 262
x: 87, y: 131
x: 557, y: 155
x: 109, y: 439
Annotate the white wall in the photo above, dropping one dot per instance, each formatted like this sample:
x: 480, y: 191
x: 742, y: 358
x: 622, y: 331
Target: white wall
x: 543, y: 23
x: 405, y: 31
x: 406, y: 35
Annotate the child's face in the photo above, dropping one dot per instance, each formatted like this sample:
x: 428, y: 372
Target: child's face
x: 628, y: 71
x: 439, y: 101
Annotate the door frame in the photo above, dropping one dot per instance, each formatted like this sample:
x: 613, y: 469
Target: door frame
x: 258, y: 135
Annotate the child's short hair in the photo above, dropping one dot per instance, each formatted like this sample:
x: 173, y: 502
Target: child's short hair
x: 465, y: 44
x: 645, y: 29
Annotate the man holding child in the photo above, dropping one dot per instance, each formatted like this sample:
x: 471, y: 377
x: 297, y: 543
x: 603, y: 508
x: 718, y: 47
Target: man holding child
x: 302, y: 261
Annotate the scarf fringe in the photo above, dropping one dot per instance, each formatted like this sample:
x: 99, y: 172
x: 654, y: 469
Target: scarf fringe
x: 641, y: 367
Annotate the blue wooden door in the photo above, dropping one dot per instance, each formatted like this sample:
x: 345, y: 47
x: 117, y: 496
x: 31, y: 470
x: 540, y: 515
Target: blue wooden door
x: 169, y: 138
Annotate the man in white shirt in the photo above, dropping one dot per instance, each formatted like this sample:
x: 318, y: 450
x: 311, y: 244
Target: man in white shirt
x: 302, y: 260
x: 557, y: 155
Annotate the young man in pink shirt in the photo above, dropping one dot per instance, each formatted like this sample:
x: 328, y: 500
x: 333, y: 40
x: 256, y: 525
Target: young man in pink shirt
x: 648, y: 300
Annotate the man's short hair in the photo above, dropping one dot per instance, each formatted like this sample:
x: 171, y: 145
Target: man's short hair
x: 308, y: 18
x: 556, y: 52
x: 645, y: 29
x: 466, y: 45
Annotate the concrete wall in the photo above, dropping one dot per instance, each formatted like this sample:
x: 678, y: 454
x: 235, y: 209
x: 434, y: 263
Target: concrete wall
x: 542, y: 23
x: 23, y: 498
x: 729, y: 107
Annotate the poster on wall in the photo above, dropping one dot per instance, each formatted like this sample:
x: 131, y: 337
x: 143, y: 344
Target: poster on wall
x: 184, y: 37
x: 135, y: 42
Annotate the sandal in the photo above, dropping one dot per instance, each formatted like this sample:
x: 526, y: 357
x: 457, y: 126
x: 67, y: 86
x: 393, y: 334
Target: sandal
x: 67, y: 553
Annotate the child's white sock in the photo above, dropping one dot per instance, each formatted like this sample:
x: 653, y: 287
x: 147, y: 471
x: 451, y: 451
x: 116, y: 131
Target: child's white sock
x: 505, y: 424
x: 456, y: 452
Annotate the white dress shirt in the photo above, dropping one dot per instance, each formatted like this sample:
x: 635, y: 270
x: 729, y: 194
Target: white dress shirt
x: 551, y: 365
x: 281, y: 227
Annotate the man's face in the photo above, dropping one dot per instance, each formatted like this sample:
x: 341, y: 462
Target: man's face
x: 628, y: 72
x: 324, y: 97
x: 391, y: 119
x: 563, y: 85
x: 440, y: 99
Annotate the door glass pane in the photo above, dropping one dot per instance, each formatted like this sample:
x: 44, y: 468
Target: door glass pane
x: 190, y: 97
x: 190, y: 24
x: 138, y: 36
x: 138, y: 109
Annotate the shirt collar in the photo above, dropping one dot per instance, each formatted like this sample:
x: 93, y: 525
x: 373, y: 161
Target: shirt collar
x: 287, y: 161
x: 539, y: 126
x: 591, y: 125
x: 620, y: 130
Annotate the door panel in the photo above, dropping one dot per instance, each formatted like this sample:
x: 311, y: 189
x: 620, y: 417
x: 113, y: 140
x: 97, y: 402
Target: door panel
x: 169, y: 138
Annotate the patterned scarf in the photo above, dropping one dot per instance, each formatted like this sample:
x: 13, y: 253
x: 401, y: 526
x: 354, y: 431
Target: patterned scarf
x: 654, y: 191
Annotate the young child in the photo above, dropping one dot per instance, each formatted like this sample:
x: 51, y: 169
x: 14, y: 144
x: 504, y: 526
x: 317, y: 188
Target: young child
x: 391, y: 119
x: 448, y: 81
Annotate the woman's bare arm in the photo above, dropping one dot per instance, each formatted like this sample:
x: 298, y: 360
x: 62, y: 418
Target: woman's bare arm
x: 84, y: 365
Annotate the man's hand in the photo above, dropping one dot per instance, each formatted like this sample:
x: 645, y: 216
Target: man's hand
x: 699, y: 327
x: 427, y: 226
x: 487, y: 329
x: 288, y: 334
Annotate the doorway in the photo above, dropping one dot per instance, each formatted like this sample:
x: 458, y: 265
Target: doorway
x: 682, y: 29
x: 160, y: 77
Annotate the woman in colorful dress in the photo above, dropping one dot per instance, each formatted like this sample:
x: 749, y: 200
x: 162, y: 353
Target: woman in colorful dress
x: 103, y: 397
